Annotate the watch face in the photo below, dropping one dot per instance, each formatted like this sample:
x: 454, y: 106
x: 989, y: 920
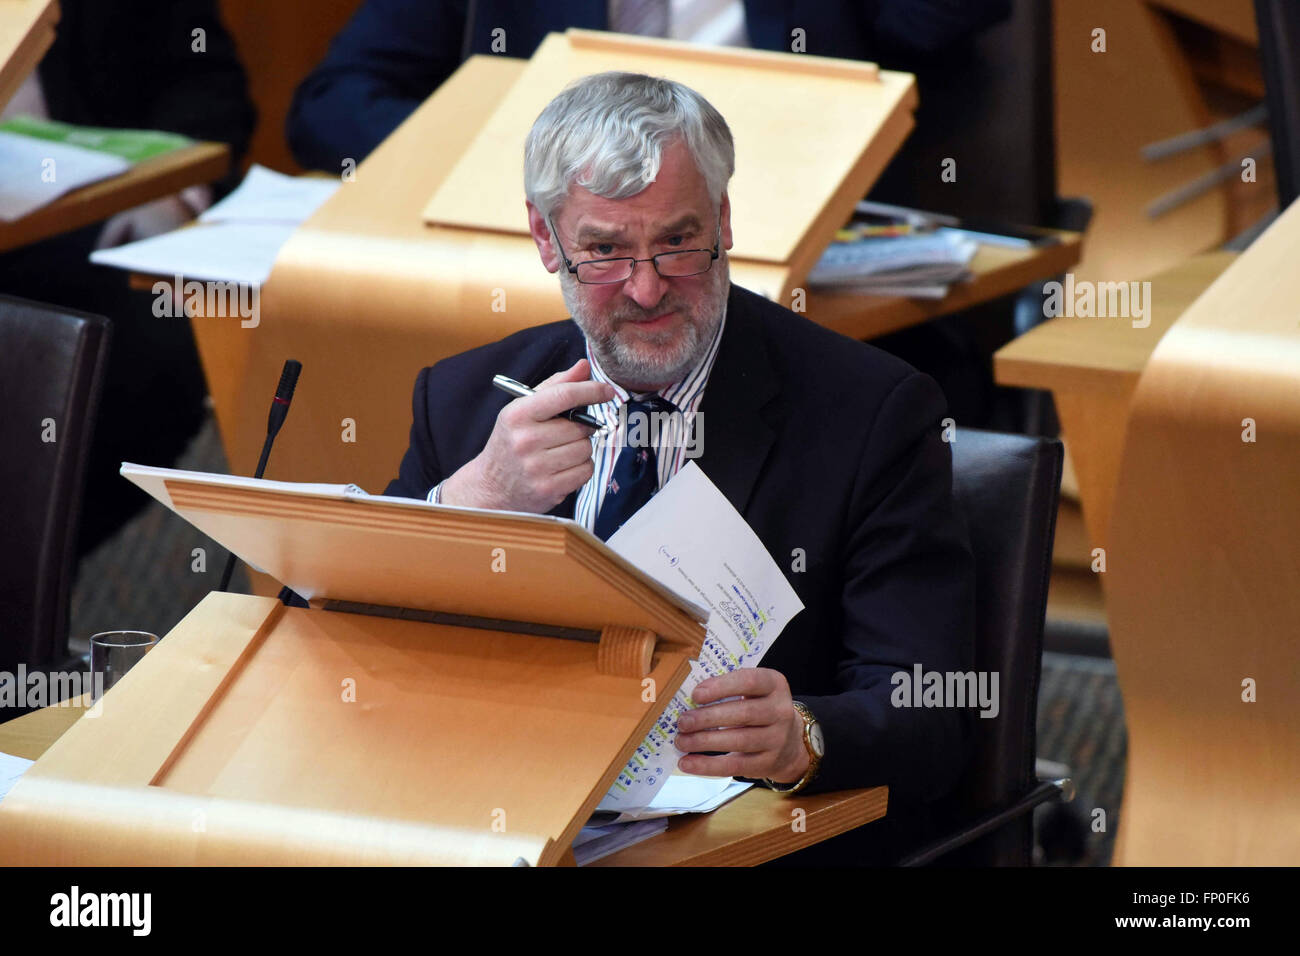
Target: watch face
x: 815, y: 738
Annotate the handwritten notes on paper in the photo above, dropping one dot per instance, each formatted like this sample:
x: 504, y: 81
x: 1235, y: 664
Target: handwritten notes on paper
x: 691, y: 540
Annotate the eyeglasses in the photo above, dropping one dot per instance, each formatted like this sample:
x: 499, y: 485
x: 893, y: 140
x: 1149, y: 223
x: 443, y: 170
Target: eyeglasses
x: 671, y: 265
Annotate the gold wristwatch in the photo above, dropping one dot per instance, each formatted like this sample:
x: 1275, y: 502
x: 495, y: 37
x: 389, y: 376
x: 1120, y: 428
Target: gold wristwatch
x: 815, y: 745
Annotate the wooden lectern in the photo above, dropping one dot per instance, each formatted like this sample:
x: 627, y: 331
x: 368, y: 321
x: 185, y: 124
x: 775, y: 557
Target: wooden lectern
x: 464, y: 690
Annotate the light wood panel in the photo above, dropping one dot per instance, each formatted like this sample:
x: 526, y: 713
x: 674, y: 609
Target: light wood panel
x: 1109, y: 105
x: 816, y: 163
x: 144, y: 182
x: 1204, y: 561
x: 32, y: 734
x: 26, y: 32
x: 1092, y: 365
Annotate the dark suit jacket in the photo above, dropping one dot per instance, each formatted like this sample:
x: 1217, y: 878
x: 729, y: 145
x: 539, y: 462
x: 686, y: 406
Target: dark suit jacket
x: 394, y: 53
x: 825, y: 445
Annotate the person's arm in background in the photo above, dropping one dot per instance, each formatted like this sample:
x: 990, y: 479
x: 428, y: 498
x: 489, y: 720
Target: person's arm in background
x: 929, y: 26
x: 203, y: 95
x: 387, y: 60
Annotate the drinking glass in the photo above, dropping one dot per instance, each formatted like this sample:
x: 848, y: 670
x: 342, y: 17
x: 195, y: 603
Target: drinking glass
x: 112, y: 654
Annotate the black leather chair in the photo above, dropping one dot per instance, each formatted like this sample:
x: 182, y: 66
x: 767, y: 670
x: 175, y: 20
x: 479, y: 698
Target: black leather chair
x: 1007, y: 486
x: 52, y: 364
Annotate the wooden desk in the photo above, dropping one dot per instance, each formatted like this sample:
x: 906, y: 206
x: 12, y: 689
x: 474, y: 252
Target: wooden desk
x: 1091, y: 366
x: 1203, y: 562
x: 26, y: 32
x: 755, y: 827
x: 32, y: 734
x: 145, y: 181
x: 995, y: 271
x: 1197, y: 513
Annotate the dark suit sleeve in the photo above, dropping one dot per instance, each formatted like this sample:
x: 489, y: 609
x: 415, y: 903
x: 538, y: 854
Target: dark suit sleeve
x: 930, y: 26
x: 387, y: 60
x: 420, y: 469
x: 201, y: 94
x: 908, y: 598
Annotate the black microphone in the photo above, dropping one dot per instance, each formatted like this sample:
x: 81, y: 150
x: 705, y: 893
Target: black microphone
x: 279, y: 409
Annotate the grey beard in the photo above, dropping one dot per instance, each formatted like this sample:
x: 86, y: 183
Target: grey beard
x: 624, y: 364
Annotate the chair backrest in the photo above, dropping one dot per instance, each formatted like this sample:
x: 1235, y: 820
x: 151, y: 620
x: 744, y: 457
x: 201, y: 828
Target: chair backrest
x: 1007, y: 486
x: 1279, y: 57
x: 51, y: 374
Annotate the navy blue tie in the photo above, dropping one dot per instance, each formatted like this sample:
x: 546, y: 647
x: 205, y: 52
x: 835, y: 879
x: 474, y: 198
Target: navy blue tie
x: 636, y: 472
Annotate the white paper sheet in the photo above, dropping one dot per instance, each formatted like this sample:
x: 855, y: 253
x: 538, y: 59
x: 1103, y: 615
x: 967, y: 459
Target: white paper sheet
x: 35, y: 172
x: 684, y: 793
x: 266, y: 196
x: 11, y: 770
x: 219, y: 252
x: 690, y: 539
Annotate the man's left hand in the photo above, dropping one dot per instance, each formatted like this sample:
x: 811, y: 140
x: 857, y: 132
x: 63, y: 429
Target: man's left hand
x: 761, y: 734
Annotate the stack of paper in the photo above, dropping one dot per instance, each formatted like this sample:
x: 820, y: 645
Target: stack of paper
x: 692, y: 540
x: 37, y: 172
x: 921, y: 265
x: 237, y: 240
x: 594, y: 842
x: 607, y: 833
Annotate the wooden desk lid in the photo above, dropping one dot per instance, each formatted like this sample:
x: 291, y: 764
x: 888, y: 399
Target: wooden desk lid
x: 260, y: 734
x: 26, y: 32
x: 812, y: 134
x: 404, y: 554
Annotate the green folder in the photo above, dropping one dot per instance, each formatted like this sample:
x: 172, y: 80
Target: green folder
x: 133, y: 145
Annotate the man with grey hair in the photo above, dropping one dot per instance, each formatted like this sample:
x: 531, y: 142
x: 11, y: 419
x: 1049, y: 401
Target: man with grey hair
x: 830, y: 448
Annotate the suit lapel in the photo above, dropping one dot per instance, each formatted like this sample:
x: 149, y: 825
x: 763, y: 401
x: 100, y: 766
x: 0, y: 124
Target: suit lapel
x: 736, y: 439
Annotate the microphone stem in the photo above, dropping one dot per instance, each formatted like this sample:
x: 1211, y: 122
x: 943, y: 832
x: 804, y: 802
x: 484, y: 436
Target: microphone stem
x: 261, y: 467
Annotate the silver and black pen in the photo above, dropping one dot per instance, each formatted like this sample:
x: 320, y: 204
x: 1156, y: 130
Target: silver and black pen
x: 520, y: 390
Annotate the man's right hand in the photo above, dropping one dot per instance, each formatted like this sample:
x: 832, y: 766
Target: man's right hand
x: 533, y: 460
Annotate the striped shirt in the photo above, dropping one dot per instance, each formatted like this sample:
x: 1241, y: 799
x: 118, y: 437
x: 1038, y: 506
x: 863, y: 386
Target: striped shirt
x: 671, y: 442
